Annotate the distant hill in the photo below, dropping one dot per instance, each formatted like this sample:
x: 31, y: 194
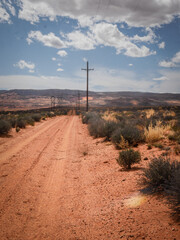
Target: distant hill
x: 30, y: 99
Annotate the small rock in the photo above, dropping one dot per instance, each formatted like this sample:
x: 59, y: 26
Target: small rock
x: 146, y: 158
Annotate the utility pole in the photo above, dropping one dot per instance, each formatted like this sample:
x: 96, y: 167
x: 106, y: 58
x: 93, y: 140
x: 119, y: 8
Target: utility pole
x: 79, y: 101
x: 87, y: 92
x: 52, y: 102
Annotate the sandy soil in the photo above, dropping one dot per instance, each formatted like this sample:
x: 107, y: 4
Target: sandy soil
x: 57, y: 182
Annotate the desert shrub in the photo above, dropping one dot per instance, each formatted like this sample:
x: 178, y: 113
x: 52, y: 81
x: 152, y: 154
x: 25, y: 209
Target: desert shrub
x: 17, y: 129
x: 149, y: 146
x: 36, y: 117
x: 5, y: 126
x: 159, y: 173
x: 130, y: 134
x: 21, y: 123
x: 119, y: 140
x: 177, y: 149
x: 168, y: 118
x: 116, y: 137
x: 109, y: 128
x: 174, y: 194
x: 158, y: 145
x: 29, y: 120
x: 175, y: 137
x: 99, y: 127
x: 128, y: 158
x: 13, y: 122
x: 50, y: 114
x: 122, y: 119
x: 96, y: 127
x: 89, y: 115
x: 172, y: 137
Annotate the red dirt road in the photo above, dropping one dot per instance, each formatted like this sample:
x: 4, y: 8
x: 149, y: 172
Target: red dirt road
x: 58, y: 183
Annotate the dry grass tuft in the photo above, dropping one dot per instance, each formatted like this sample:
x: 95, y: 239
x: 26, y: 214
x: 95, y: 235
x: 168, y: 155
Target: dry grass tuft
x: 149, y: 113
x: 110, y: 116
x: 154, y: 134
x: 123, y: 143
x: 169, y: 113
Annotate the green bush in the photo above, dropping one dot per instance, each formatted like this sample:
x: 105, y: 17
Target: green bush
x: 5, y: 126
x: 128, y: 158
x: 109, y: 128
x: 17, y: 129
x: 174, y: 194
x: 96, y: 127
x: 13, y: 122
x: 88, y: 116
x: 129, y: 133
x: 159, y: 173
x: 116, y: 137
x: 50, y: 114
x: 21, y: 123
x: 36, y: 117
x: 29, y: 120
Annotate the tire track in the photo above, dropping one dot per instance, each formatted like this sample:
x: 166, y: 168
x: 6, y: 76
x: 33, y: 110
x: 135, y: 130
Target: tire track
x: 46, y: 210
x: 27, y: 172
x: 12, y: 150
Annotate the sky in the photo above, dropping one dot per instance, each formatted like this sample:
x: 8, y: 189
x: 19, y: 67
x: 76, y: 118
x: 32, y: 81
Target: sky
x: 132, y: 45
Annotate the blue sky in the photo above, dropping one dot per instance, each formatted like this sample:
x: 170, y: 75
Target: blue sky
x: 132, y: 45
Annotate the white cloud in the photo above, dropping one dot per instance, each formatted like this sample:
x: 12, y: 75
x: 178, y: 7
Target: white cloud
x: 170, y: 83
x: 49, y: 40
x: 130, y: 64
x: 99, y: 34
x: 62, y: 53
x: 85, y: 59
x: 134, y: 13
x: 80, y: 41
x: 59, y: 64
x: 167, y: 64
x: 149, y: 38
x: 117, y: 80
x: 60, y: 70
x: 32, y: 10
x: 4, y: 15
x: 109, y: 35
x: 53, y: 59
x: 161, y: 45
x: 86, y: 21
x: 23, y: 64
x: 37, y: 82
x: 172, y: 63
x: 102, y: 79
x: 6, y: 9
x: 163, y: 78
x: 176, y: 58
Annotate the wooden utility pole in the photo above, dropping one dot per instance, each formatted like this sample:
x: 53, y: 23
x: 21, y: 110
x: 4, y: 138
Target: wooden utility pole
x: 87, y: 91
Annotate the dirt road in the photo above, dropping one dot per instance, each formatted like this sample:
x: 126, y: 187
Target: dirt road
x: 58, y: 183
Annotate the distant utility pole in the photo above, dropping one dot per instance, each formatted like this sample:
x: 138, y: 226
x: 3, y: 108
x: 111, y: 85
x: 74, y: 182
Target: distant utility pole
x: 52, y: 102
x: 79, y: 101
x: 87, y: 69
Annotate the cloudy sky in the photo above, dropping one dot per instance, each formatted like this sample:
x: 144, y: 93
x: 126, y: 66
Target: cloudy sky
x: 133, y: 45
